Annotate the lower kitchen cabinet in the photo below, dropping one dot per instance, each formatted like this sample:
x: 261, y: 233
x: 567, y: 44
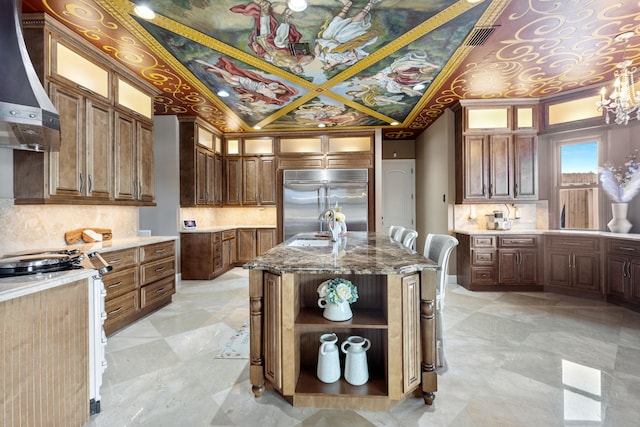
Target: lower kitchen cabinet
x: 229, y: 249
x: 494, y: 262
x: 142, y: 280
x: 623, y: 272
x: 254, y: 241
x: 572, y: 264
x: 200, y: 255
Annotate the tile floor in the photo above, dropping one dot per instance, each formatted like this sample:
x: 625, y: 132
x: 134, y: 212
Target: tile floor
x: 514, y: 359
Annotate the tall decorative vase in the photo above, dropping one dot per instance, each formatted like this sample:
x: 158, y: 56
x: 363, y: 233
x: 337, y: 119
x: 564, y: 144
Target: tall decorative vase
x: 619, y: 223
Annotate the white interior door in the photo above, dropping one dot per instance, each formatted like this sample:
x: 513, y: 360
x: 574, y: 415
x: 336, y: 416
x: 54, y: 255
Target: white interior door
x: 398, y: 188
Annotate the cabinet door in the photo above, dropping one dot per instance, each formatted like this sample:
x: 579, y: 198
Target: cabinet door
x: 411, y: 373
x: 250, y: 180
x: 266, y: 240
x: 508, y: 270
x: 233, y: 175
x: 144, y: 170
x: 528, y: 266
x: 525, y: 167
x: 586, y: 274
x: 500, y: 167
x: 267, y: 181
x: 125, y: 157
x: 272, y: 330
x: 99, y: 161
x: 201, y: 177
x: 475, y: 167
x: 246, y: 240
x: 66, y: 167
x: 558, y: 268
x: 633, y: 270
x: 617, y: 275
x: 217, y: 180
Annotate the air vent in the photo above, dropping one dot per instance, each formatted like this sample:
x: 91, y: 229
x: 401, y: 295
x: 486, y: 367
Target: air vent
x: 479, y: 36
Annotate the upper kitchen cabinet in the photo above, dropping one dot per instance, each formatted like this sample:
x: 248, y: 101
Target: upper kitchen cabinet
x: 250, y: 172
x: 333, y: 151
x: 496, y: 152
x: 106, y: 121
x: 200, y: 164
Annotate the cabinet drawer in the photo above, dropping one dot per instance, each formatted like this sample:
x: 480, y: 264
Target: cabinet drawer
x: 483, y: 257
x: 120, y: 282
x: 483, y: 276
x: 120, y: 307
x: 158, y: 250
x: 121, y: 259
x: 228, y: 234
x: 623, y: 247
x: 483, y: 241
x: 573, y: 243
x: 517, y: 241
x: 157, y: 270
x: 152, y: 293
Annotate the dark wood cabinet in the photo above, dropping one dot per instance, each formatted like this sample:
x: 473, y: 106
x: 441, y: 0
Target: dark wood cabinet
x: 573, y: 263
x: 496, y: 159
x: 254, y: 241
x: 200, y: 164
x: 233, y: 181
x: 494, y: 262
x: 200, y: 255
x: 106, y: 155
x: 142, y: 280
x: 229, y: 249
x: 623, y: 272
x: 258, y: 181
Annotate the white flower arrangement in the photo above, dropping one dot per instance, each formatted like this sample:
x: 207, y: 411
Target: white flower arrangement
x: 621, y: 183
x: 338, y: 290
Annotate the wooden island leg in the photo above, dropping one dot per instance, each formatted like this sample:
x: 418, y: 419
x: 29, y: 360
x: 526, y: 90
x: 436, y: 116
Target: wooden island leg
x: 428, y: 335
x: 256, y: 311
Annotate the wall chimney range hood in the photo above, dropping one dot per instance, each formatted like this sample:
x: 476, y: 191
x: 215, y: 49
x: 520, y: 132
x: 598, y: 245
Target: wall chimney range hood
x: 28, y: 119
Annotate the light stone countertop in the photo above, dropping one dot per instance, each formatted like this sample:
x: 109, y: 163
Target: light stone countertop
x: 225, y: 228
x: 597, y: 233
x: 355, y: 253
x: 14, y: 287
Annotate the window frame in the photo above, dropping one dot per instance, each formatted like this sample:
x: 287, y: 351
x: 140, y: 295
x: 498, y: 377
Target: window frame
x: 571, y: 138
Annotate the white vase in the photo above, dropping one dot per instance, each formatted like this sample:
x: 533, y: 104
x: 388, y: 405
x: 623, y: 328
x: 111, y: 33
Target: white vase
x: 619, y: 223
x: 335, y: 312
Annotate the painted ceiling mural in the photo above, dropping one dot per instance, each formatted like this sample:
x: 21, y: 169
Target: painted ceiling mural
x: 390, y: 64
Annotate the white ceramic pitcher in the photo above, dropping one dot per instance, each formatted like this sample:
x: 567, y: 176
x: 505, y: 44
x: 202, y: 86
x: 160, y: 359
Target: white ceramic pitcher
x: 356, y: 371
x: 328, y: 359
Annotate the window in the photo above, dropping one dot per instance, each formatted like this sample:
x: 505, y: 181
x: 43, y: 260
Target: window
x: 578, y: 190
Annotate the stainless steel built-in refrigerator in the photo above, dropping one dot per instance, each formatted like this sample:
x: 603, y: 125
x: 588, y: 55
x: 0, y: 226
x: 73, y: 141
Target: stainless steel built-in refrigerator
x: 308, y: 192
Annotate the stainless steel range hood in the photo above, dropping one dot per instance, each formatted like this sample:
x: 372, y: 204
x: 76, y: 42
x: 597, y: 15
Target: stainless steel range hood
x: 28, y: 119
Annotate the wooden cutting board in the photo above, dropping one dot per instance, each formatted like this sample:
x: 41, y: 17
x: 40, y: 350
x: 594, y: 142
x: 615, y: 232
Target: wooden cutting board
x: 81, y: 235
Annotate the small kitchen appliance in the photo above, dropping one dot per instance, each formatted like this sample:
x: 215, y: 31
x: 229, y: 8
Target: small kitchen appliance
x: 497, y: 221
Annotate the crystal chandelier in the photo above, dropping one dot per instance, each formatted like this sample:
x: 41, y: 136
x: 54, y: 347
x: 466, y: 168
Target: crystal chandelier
x: 623, y: 101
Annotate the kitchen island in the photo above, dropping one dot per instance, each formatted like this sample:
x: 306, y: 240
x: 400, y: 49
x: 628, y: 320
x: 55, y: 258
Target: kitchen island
x: 395, y: 311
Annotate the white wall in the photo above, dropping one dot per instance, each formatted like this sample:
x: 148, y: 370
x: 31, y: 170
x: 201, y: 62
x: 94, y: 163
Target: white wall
x: 435, y: 178
x: 163, y: 219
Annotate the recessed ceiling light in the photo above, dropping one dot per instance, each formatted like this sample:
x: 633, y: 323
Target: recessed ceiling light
x: 257, y: 127
x: 394, y: 123
x: 223, y: 93
x: 144, y: 12
x: 473, y: 1
x: 419, y: 86
x: 297, y: 5
x: 321, y: 125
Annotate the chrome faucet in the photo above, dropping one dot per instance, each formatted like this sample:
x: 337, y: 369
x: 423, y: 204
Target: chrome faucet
x: 331, y: 223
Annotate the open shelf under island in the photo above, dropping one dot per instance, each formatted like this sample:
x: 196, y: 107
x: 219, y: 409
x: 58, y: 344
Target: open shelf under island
x: 395, y: 310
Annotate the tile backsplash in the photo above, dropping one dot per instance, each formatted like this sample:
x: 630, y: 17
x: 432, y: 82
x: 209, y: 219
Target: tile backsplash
x: 223, y: 217
x: 40, y: 226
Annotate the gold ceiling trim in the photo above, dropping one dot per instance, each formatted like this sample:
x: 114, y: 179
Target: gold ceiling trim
x: 193, y: 99
x: 410, y: 36
x: 420, y: 116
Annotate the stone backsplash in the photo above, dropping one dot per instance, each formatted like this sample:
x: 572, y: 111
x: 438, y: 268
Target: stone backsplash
x: 39, y: 226
x: 523, y: 216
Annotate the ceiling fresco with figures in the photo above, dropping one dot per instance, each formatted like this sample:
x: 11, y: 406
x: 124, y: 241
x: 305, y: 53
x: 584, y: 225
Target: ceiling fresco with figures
x: 256, y: 66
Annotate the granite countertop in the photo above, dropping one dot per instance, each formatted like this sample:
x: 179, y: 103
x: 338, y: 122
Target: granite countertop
x: 122, y: 243
x: 354, y: 253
